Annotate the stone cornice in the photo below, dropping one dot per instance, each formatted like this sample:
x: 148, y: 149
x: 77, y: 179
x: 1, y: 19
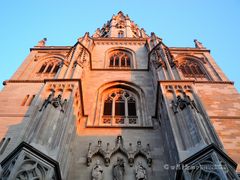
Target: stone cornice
x: 120, y: 39
x: 116, y: 69
x: 195, y: 82
x: 50, y: 48
x: 177, y: 49
x: 22, y: 81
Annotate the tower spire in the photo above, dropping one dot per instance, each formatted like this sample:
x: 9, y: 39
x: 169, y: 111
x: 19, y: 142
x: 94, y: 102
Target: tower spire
x: 120, y: 26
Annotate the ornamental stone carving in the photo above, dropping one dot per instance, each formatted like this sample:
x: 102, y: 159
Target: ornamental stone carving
x: 97, y: 171
x: 140, y: 171
x: 54, y: 101
x: 129, y: 153
x: 182, y: 103
x: 118, y: 169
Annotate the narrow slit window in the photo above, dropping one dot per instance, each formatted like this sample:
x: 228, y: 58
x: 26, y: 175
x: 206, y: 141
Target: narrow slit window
x: 132, y: 107
x: 111, y: 61
x: 128, y: 62
x: 122, y: 62
x: 49, y: 68
x: 25, y: 100
x: 42, y: 68
x: 107, y: 107
x: 55, y: 70
x: 30, y: 101
x: 2, y: 141
x: 120, y: 107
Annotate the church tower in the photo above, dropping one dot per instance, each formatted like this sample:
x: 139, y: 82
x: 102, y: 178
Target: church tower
x: 121, y: 105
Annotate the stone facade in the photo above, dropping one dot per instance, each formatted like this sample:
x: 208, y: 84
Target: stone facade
x: 118, y: 105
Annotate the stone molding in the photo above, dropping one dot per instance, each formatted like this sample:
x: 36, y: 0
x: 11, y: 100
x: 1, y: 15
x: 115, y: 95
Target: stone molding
x: 129, y: 153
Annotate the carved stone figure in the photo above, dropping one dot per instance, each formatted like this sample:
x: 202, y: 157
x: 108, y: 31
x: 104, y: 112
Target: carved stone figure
x: 42, y: 42
x: 129, y: 153
x: 47, y: 101
x: 56, y: 102
x: 118, y: 169
x: 183, y: 103
x: 140, y: 172
x: 198, y: 44
x: 97, y: 171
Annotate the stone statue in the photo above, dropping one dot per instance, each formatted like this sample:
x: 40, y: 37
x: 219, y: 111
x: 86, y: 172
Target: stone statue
x: 97, y: 171
x: 56, y: 102
x: 198, y: 44
x: 42, y: 42
x: 118, y: 169
x: 140, y: 172
x: 47, y: 101
x: 190, y: 102
x: 183, y: 103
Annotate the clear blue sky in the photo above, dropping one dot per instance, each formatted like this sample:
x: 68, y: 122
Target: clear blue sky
x: 215, y: 23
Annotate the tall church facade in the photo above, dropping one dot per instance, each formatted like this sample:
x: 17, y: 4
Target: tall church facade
x: 119, y: 105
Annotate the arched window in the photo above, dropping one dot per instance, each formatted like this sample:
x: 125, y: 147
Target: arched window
x: 192, y: 69
x: 120, y: 34
x: 120, y: 59
x: 49, y: 67
x: 108, y: 107
x: 120, y: 107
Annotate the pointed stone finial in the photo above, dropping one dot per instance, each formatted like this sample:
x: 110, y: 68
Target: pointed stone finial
x: 120, y: 12
x: 198, y: 44
x: 97, y: 33
x: 42, y: 42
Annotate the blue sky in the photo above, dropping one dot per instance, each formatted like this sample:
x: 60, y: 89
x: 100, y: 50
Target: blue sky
x: 215, y: 23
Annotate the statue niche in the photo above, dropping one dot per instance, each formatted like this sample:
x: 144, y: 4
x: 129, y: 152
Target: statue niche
x: 49, y: 120
x: 189, y: 121
x: 118, y: 169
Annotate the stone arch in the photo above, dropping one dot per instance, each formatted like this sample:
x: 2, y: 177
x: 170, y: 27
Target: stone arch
x: 192, y: 67
x: 48, y: 64
x: 134, y: 90
x: 128, y: 51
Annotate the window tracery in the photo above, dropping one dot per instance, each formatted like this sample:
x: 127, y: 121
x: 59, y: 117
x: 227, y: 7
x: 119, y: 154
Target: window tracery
x: 120, y: 59
x: 120, y: 108
x: 192, y: 69
x: 49, y: 67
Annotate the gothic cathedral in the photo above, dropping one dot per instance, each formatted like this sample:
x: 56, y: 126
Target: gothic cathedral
x: 119, y: 105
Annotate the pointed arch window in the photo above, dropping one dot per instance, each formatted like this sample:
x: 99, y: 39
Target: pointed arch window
x: 120, y: 59
x: 49, y: 67
x: 120, y: 108
x: 108, y: 107
x: 192, y: 69
x: 132, y: 107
